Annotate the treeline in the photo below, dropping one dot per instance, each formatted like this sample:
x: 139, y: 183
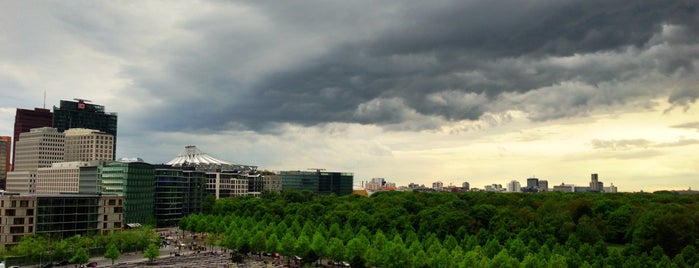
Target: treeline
x: 473, y: 229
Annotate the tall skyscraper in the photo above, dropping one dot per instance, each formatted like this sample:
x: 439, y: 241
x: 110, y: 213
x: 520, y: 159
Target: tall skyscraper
x: 28, y: 119
x: 79, y: 114
x: 5, y: 144
x: 596, y: 185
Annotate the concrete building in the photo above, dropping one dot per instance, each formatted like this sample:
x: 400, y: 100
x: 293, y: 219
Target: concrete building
x: 135, y: 181
x: 61, y: 177
x: 438, y: 186
x: 568, y: 188
x: 514, y: 187
x: 596, y: 186
x: 5, y: 157
x: 272, y: 183
x: 466, y: 186
x: 88, y: 145
x: 80, y: 114
x: 226, y: 183
x: 25, y: 120
x: 17, y: 217
x: 40, y: 147
x: 22, y: 182
x: 543, y: 186
x: 610, y: 189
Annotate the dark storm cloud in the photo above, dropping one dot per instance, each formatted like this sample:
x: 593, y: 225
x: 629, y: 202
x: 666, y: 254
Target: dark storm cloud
x: 395, y: 63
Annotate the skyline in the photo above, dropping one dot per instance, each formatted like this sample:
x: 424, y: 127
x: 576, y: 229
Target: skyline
x: 417, y: 92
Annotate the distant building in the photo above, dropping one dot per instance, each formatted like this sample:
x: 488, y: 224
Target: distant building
x: 319, y: 182
x: 272, y: 182
x: 5, y: 150
x: 25, y: 120
x: 532, y: 185
x: 568, y: 188
x: 596, y: 186
x: 514, y: 187
x: 438, y: 186
x: 493, y: 188
x: 135, y: 181
x: 466, y: 186
x: 79, y: 114
x: 543, y: 186
x: 610, y: 189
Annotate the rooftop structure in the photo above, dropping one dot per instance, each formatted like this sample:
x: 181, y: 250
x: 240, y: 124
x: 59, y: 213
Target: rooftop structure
x: 192, y: 156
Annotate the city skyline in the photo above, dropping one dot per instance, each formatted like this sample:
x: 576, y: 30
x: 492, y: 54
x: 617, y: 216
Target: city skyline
x: 458, y: 91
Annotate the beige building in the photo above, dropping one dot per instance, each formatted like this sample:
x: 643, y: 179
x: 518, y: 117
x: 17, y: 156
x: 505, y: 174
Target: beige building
x: 22, y: 182
x: 17, y: 218
x: 61, y: 177
x: 272, y: 183
x: 40, y: 147
x: 88, y: 145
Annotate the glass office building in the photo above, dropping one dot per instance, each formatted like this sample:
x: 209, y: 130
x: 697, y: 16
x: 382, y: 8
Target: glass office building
x: 319, y: 182
x: 179, y: 191
x: 135, y: 181
x: 78, y: 114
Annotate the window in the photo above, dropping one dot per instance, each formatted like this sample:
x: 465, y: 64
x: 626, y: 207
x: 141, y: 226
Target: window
x: 18, y: 221
x: 17, y: 229
x: 10, y: 212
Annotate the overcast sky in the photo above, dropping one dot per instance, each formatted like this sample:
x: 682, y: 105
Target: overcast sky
x: 411, y: 91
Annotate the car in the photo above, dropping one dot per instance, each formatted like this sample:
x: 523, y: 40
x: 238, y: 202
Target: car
x: 92, y: 264
x: 61, y: 263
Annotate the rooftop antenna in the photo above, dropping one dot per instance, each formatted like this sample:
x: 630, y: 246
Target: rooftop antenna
x: 44, y: 98
x: 83, y: 100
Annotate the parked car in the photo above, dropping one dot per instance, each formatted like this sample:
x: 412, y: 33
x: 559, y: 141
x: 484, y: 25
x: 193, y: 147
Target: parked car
x: 92, y: 264
x: 61, y: 263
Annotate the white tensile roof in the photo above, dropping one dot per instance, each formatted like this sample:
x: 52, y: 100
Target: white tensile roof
x: 193, y: 156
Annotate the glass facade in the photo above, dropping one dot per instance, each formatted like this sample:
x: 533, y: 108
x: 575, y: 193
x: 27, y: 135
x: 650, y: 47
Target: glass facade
x: 78, y: 114
x: 67, y: 215
x: 339, y: 183
x: 135, y: 181
x: 178, y: 193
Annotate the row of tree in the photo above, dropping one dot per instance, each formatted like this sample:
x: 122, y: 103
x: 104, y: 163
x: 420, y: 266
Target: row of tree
x: 417, y: 229
x: 78, y: 249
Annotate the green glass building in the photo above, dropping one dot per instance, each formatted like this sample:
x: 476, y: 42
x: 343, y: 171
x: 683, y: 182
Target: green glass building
x: 319, y: 182
x: 135, y: 181
x: 179, y: 191
x: 78, y: 114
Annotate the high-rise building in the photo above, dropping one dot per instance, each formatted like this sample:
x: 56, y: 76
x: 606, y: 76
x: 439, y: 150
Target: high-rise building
x: 25, y: 120
x: 179, y: 191
x: 466, y: 186
x: 135, y: 181
x: 88, y: 145
x: 5, y: 149
x: 79, y: 114
x: 543, y: 186
x: 40, y: 147
x: 438, y: 186
x: 514, y: 186
x: 595, y: 185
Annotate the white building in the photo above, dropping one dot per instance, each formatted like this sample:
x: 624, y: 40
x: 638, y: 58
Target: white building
x: 438, y: 186
x: 61, y: 177
x: 40, y: 147
x: 22, y: 182
x: 88, y: 145
x: 514, y: 187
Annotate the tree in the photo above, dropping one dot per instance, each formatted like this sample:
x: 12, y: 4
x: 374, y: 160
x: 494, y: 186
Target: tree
x: 112, y: 252
x: 151, y: 252
x: 80, y: 256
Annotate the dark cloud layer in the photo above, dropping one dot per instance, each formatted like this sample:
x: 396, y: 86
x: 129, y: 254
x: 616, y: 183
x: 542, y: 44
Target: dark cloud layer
x: 315, y: 63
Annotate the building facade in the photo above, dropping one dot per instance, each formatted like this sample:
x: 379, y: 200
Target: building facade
x: 79, y: 114
x: 5, y: 150
x: 319, y: 182
x: 61, y: 177
x: 40, y: 147
x: 135, y: 181
x: 67, y: 215
x: 17, y: 218
x: 88, y: 145
x: 514, y: 187
x: 25, y: 120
